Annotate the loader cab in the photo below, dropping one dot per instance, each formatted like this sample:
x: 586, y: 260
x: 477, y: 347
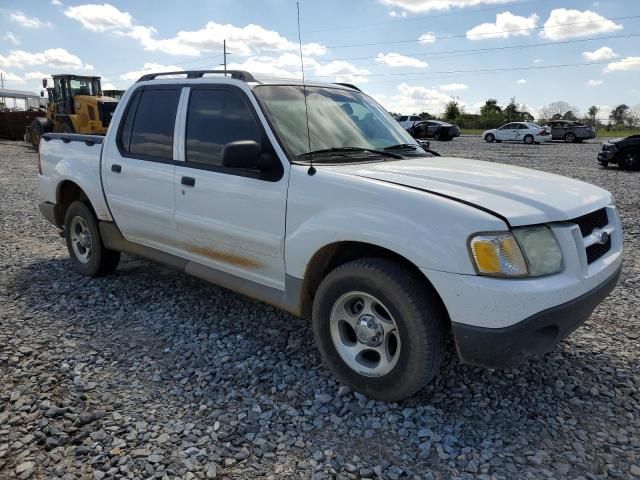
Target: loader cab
x: 77, y: 105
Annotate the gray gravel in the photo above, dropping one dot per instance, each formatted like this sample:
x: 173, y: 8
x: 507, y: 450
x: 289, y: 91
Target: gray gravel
x: 152, y: 374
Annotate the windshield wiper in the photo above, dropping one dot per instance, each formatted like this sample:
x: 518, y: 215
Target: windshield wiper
x: 402, y: 146
x: 347, y: 150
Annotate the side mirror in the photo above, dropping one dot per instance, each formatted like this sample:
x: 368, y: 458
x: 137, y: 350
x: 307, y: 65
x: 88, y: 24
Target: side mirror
x: 44, y: 83
x: 245, y: 154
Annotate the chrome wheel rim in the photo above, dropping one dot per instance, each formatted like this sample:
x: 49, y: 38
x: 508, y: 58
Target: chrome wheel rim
x: 365, y: 334
x: 81, y: 240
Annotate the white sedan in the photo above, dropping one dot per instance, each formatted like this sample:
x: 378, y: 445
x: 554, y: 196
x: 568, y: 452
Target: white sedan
x: 518, y: 132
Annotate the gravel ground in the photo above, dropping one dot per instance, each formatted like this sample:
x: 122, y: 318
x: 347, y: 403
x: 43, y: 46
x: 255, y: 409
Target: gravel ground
x: 150, y: 373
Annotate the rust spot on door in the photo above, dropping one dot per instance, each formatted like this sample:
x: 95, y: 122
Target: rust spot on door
x: 224, y: 257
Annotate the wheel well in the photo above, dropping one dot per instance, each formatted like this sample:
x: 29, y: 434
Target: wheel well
x: 69, y: 192
x: 333, y: 255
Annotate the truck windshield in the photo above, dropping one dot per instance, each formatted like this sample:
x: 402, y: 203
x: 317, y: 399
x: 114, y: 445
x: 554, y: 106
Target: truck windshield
x: 339, y: 121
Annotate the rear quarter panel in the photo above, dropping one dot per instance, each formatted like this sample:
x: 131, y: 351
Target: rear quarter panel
x: 76, y: 162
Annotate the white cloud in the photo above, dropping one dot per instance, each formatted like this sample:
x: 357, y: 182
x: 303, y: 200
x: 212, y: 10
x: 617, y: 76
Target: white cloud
x: 342, y: 71
x: 566, y: 23
x: 36, y: 75
x: 453, y: 87
x: 593, y: 83
x: 56, y: 3
x: 506, y: 25
x: 247, y: 40
x: 100, y: 18
x: 109, y: 86
x: 393, y: 13
x: 428, y: 37
x: 538, y: 60
x: 150, y: 67
x: 602, y: 53
x: 11, y: 38
x: 415, y: 99
x: 522, y: 81
x: 28, y: 22
x: 427, y: 5
x: 393, y: 59
x: 11, y: 78
x: 52, y: 57
x: 627, y: 63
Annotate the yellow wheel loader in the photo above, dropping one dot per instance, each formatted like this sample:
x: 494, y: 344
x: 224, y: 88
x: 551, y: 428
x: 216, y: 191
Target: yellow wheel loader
x: 75, y: 105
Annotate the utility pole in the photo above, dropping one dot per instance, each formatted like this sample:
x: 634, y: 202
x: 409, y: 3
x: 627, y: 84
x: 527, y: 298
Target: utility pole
x: 224, y: 48
x: 2, y: 79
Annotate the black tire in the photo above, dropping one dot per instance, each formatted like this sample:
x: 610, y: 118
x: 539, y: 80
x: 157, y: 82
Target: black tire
x: 629, y: 159
x: 39, y: 126
x: 570, y: 137
x: 489, y: 138
x: 528, y: 139
x: 417, y: 312
x: 100, y: 261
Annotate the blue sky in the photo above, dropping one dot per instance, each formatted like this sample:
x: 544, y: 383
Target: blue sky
x: 412, y: 55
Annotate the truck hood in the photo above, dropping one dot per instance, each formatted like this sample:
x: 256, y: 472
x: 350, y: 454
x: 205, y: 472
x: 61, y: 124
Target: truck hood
x: 520, y: 195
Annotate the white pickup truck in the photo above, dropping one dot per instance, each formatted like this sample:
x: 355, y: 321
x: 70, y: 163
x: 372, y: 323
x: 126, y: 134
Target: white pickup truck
x: 338, y: 215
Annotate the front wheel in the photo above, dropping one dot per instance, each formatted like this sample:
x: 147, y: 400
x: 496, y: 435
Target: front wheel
x: 489, y: 138
x: 88, y: 255
x: 528, y: 139
x: 379, y: 328
x: 629, y: 159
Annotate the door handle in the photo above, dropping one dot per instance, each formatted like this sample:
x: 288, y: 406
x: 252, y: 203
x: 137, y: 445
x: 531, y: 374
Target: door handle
x: 188, y: 181
x: 116, y: 168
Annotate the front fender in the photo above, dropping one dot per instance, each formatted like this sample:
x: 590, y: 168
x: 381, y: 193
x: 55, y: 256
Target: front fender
x: 428, y: 230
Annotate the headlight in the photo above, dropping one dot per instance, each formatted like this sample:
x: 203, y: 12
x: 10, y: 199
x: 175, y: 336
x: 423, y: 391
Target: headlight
x: 529, y: 251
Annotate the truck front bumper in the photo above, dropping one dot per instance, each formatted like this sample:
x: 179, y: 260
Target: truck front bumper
x: 536, y: 335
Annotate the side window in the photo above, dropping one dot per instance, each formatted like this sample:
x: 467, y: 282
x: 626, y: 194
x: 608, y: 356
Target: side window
x: 153, y: 125
x: 415, y: 118
x: 215, y: 118
x: 402, y: 118
x: 124, y: 139
x: 522, y: 126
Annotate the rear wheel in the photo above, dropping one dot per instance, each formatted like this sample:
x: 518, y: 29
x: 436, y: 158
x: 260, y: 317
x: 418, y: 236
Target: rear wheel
x: 88, y: 255
x: 489, y: 138
x: 629, y: 159
x: 528, y: 139
x: 570, y: 137
x: 39, y: 126
x: 378, y: 328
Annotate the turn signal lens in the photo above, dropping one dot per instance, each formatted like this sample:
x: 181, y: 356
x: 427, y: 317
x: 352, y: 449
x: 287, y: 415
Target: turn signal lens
x: 498, y: 254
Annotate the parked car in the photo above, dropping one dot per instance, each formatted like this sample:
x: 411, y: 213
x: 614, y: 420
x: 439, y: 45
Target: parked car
x: 386, y: 248
x: 407, y: 121
x: 623, y: 151
x: 436, y: 129
x: 518, y: 132
x: 570, y: 131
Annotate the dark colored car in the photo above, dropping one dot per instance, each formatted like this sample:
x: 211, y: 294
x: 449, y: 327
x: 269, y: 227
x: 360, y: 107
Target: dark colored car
x: 570, y: 131
x: 623, y: 151
x: 436, y: 129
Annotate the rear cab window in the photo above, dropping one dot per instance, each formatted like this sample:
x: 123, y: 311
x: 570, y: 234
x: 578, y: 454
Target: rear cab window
x: 149, y: 122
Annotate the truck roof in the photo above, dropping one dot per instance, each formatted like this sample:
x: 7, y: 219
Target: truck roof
x: 240, y: 75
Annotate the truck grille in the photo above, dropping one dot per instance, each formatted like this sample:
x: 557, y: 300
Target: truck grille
x: 587, y: 224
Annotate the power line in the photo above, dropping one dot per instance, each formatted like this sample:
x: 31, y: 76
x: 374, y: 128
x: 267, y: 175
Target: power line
x: 489, y: 49
x: 430, y: 16
x: 461, y: 73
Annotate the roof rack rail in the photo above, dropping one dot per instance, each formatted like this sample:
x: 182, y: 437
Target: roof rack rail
x: 350, y: 85
x: 235, y: 74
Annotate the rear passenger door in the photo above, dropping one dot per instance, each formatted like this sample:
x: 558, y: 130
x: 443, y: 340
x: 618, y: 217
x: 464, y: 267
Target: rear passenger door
x: 138, y: 170
x: 229, y: 219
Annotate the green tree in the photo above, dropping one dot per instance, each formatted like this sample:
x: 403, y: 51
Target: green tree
x: 426, y: 116
x: 490, y: 108
x: 569, y: 116
x: 452, y: 110
x: 619, y: 114
x: 593, y: 115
